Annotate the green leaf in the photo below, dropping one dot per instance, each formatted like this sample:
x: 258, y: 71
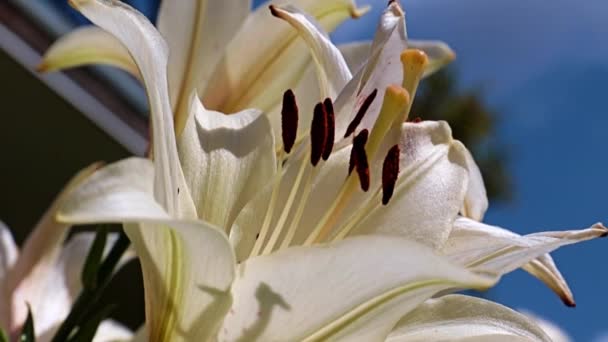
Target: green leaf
x: 91, y: 266
x: 27, y: 333
x: 3, y: 336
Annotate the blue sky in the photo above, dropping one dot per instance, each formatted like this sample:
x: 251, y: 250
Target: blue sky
x: 543, y: 66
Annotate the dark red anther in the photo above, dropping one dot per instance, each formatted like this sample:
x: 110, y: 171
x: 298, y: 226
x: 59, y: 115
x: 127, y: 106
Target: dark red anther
x: 360, y: 113
x: 289, y: 120
x: 390, y: 172
x: 318, y: 133
x: 331, y: 128
x: 416, y: 119
x: 360, y: 158
x: 359, y: 139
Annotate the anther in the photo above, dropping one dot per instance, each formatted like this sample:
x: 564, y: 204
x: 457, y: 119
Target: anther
x: 359, y: 139
x: 360, y: 113
x: 360, y: 159
x: 318, y: 133
x: 331, y: 128
x: 289, y: 120
x: 390, y: 172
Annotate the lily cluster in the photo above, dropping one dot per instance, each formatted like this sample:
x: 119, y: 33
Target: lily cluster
x: 356, y: 224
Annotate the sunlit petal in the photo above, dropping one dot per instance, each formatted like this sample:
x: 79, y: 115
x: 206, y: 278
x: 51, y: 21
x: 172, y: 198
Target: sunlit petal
x: 496, y: 250
x: 227, y: 159
x: 87, y: 45
x: 150, y: 53
x: 438, y: 52
x: 259, y: 64
x: 464, y: 318
x: 280, y: 295
x: 332, y: 71
x: 476, y: 200
x: 196, y: 31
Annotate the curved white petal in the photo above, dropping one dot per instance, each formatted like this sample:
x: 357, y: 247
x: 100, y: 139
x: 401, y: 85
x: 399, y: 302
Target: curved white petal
x: 187, y: 270
x: 8, y: 256
x: 355, y: 54
x: 495, y: 250
x: 332, y: 71
x: 187, y: 266
x: 382, y: 69
x: 87, y: 45
x: 122, y: 191
x: 196, y: 31
x: 545, y: 270
x: 438, y: 52
x: 149, y: 51
x: 464, y: 318
x: 476, y: 200
x: 227, y: 159
x: 430, y: 188
x: 553, y: 331
x: 39, y: 270
x: 8, y: 250
x: 357, y: 288
x: 266, y: 57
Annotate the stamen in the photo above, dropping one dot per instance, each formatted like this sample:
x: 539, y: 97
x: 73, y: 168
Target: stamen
x: 331, y: 128
x: 360, y: 157
x: 362, y: 110
x: 361, y: 138
x: 390, y: 172
x: 318, y: 133
x: 416, y: 120
x: 289, y: 120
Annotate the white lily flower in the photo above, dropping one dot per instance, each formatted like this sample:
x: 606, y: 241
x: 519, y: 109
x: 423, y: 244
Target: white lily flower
x: 178, y: 210
x: 482, y: 246
x: 219, y: 48
x: 46, y: 275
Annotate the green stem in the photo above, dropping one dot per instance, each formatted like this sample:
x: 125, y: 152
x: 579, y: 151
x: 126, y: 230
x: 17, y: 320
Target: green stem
x: 88, y: 297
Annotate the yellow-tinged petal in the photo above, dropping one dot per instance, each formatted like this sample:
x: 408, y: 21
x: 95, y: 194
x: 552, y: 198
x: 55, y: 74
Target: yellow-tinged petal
x: 150, y: 53
x: 465, y: 318
x: 265, y: 57
x: 227, y: 160
x: 196, y: 32
x: 87, y: 45
x: 278, y: 297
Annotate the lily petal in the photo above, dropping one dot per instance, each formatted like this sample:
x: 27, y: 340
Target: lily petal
x: 382, y: 69
x: 38, y: 267
x: 432, y: 180
x: 465, y: 318
x: 476, y: 200
x: 260, y: 63
x: 8, y: 256
x: 186, y: 285
x: 497, y: 250
x: 195, y: 31
x: 187, y: 269
x: 122, y: 191
x: 87, y: 45
x: 438, y: 52
x: 149, y: 51
x: 279, y: 295
x: 332, y: 71
x: 227, y: 159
